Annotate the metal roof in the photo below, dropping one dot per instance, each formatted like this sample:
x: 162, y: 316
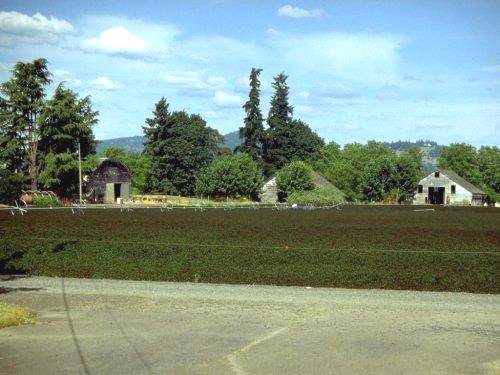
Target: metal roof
x: 461, y: 181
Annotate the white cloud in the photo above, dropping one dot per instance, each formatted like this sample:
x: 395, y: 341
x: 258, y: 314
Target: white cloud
x: 363, y: 57
x: 491, y: 69
x: 192, y: 80
x: 104, y: 83
x: 304, y: 95
x: 117, y: 40
x: 338, y: 91
x: 60, y: 73
x: 292, y: 12
x: 224, y: 99
x: 19, y: 27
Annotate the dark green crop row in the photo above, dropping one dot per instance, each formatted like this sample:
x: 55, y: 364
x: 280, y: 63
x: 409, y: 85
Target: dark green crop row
x: 450, y: 249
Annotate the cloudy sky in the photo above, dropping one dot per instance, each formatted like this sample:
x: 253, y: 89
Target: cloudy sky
x: 358, y: 70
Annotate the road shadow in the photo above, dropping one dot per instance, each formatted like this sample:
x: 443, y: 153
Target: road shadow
x: 78, y: 348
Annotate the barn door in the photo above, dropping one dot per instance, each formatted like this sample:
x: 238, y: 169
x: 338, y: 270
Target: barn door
x: 110, y: 193
x: 125, y: 193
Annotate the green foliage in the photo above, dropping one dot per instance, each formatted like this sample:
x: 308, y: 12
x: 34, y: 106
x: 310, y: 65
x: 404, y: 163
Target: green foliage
x: 287, y: 139
x: 296, y: 176
x: 66, y: 120
x: 60, y: 173
x: 20, y: 108
x: 319, y: 196
x: 138, y: 164
x: 232, y: 176
x: 480, y: 167
x: 359, y: 247
x: 462, y: 159
x: 179, y: 146
x: 46, y: 201
x: 489, y: 165
x: 252, y: 133
x: 371, y: 172
x: 11, y: 185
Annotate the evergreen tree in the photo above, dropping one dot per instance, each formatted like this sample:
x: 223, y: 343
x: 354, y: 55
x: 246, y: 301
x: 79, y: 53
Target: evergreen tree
x: 179, y: 145
x: 65, y: 121
x: 280, y: 112
x: 252, y: 133
x: 153, y: 146
x: 19, y: 119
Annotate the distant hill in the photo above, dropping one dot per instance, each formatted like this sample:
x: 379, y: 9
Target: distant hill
x: 431, y: 151
x: 231, y: 140
x: 430, y: 148
x: 136, y: 144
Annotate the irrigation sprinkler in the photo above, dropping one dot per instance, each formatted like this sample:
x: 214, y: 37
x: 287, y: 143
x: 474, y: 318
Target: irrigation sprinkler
x: 167, y: 206
x: 19, y: 209
x: 126, y: 209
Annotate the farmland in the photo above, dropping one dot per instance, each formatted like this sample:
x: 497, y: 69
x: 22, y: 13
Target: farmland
x: 450, y: 249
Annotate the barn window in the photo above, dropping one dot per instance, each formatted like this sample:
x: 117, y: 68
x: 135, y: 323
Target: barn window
x: 420, y: 189
x: 436, y: 174
x: 453, y: 189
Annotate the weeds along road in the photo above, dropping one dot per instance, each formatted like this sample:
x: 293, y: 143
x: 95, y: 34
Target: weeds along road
x: 104, y: 326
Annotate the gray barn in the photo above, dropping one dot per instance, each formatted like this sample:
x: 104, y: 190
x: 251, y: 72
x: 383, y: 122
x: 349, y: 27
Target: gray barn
x: 110, y: 180
x: 270, y: 191
x: 447, y: 187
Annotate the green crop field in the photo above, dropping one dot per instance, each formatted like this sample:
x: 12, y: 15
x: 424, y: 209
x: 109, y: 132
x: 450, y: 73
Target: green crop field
x: 450, y: 249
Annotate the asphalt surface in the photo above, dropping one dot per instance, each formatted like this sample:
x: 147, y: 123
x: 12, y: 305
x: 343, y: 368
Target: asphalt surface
x: 117, y: 327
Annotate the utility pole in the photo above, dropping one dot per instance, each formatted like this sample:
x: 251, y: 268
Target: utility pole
x: 80, y: 173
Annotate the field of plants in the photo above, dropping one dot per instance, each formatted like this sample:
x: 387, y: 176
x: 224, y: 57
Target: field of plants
x: 449, y: 249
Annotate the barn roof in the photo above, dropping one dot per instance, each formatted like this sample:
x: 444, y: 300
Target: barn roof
x: 320, y: 181
x: 461, y: 181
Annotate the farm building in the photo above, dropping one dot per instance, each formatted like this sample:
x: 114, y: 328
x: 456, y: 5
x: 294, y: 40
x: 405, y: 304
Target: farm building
x: 110, y: 181
x: 270, y: 191
x: 446, y: 187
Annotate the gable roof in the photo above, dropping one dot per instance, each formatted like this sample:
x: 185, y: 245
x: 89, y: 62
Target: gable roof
x: 461, y: 181
x: 319, y: 181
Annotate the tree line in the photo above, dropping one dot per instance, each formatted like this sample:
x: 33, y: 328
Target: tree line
x: 39, y: 139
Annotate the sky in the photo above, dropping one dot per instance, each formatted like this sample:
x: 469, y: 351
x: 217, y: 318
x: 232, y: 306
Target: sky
x: 358, y: 70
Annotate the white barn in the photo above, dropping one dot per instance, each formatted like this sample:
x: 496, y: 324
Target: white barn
x: 447, y: 187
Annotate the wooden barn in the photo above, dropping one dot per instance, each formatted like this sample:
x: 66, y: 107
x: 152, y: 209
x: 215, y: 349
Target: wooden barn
x: 447, y: 187
x: 110, y: 181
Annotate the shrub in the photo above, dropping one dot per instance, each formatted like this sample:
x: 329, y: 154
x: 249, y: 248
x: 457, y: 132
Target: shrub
x: 232, y: 176
x: 320, y: 196
x: 46, y: 201
x: 296, y: 176
x: 11, y: 185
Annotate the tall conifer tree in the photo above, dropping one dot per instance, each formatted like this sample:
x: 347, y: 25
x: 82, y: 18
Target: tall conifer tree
x: 287, y: 139
x: 252, y: 133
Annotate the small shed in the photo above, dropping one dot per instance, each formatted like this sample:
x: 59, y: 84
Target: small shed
x: 446, y: 187
x: 110, y: 181
x: 270, y: 190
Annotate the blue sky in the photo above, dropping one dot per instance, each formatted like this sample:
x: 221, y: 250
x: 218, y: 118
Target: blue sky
x: 358, y: 70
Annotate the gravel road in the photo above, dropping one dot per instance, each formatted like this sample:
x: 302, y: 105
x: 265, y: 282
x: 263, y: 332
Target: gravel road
x: 116, y: 327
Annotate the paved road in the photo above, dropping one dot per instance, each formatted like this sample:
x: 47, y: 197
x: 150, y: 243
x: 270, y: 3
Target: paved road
x: 104, y: 326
